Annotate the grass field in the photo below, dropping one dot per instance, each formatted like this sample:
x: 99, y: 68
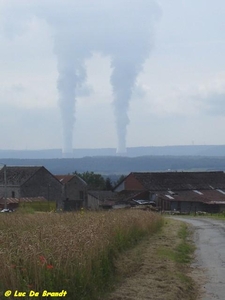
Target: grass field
x: 74, y: 252
x: 32, y: 207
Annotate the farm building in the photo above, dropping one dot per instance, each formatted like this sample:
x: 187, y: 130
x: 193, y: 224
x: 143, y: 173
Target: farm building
x: 109, y: 199
x: 181, y: 191
x: 101, y: 199
x: 74, y: 191
x: 22, y: 182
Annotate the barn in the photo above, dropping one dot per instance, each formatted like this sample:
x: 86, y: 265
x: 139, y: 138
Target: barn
x: 74, y: 192
x: 181, y: 191
x: 30, y: 182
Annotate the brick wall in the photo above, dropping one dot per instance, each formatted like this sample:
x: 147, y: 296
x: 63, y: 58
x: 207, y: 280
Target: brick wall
x: 132, y: 184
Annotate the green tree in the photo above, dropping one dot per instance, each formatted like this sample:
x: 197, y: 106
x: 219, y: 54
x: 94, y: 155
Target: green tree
x: 108, y: 184
x: 94, y: 181
x: 121, y: 178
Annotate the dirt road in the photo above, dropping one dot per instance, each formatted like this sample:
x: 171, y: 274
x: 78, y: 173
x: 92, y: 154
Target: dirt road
x: 209, y: 238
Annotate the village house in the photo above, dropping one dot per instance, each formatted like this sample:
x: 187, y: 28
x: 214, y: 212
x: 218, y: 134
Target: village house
x: 30, y: 182
x: 74, y: 192
x: 180, y: 191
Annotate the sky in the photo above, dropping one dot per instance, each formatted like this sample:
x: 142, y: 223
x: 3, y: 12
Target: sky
x: 111, y: 74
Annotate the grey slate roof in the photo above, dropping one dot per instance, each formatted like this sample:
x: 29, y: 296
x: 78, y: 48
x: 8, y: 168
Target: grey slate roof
x: 103, y: 195
x: 18, y: 175
x: 205, y: 196
x: 181, y: 180
x: 64, y: 178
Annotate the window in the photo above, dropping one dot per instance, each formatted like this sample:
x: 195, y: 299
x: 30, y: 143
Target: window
x: 13, y: 194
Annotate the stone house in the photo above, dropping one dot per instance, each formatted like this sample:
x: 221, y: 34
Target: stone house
x: 30, y: 181
x: 181, y: 191
x: 74, y: 191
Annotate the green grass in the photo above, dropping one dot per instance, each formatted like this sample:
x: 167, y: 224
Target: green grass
x: 183, y: 252
x: 185, y: 248
x: 181, y: 255
x: 220, y: 215
x: 32, y: 207
x: 167, y: 253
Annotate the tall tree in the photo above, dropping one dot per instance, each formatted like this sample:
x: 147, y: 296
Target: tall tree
x: 94, y: 181
x: 108, y: 184
x: 119, y: 180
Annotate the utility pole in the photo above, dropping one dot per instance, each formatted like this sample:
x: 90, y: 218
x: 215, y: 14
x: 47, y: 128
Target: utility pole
x: 48, y: 197
x: 5, y: 187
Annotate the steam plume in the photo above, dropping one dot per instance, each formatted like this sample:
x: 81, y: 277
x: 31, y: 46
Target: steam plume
x: 72, y: 75
x: 121, y: 29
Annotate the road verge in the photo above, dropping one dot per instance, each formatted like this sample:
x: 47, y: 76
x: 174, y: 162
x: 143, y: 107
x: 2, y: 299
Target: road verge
x: 158, y: 268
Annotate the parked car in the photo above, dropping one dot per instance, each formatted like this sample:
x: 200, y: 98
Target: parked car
x: 6, y: 210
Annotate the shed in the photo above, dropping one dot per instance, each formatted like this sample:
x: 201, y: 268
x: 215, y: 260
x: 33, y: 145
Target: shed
x: 101, y: 199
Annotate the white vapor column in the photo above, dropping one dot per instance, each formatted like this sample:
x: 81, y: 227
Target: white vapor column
x: 121, y: 29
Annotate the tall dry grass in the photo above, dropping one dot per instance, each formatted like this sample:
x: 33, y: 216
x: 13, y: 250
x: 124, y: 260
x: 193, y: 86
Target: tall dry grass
x: 70, y: 251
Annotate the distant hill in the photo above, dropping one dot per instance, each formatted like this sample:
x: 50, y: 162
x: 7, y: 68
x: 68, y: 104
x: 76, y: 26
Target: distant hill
x: 106, y: 162
x: 191, y: 150
x: 124, y: 165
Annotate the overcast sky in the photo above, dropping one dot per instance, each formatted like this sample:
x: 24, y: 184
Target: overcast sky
x: 178, y: 95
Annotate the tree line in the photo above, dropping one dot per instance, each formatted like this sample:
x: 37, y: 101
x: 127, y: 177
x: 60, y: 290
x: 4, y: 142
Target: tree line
x: 97, y: 181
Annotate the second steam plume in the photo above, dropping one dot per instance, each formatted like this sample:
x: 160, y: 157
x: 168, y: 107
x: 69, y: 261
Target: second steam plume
x: 120, y: 29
